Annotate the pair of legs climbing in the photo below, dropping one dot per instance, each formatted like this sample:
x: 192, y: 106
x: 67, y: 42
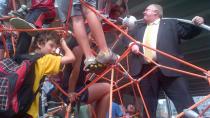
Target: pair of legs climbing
x: 105, y: 56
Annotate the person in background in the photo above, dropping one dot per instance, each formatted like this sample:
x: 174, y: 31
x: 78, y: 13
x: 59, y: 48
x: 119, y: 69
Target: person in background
x: 4, y: 9
x: 130, y: 111
x: 116, y: 111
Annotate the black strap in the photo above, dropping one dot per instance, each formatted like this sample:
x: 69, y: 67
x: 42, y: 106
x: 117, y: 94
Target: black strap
x: 31, y: 100
x: 31, y: 57
x: 39, y: 88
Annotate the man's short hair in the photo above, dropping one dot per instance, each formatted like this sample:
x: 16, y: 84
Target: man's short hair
x: 159, y: 9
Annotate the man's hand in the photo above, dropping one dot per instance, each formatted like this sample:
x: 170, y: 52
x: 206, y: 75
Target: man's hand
x: 197, y: 20
x: 135, y: 49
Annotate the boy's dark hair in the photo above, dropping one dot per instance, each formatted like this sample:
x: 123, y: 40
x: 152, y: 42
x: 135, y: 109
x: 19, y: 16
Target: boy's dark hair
x: 45, y: 36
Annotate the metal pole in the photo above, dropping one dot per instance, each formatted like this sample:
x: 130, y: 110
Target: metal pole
x: 204, y: 26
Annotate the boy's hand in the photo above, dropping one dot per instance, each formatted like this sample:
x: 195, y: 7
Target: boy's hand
x: 62, y: 33
x: 62, y: 40
x: 63, y: 43
x: 73, y: 97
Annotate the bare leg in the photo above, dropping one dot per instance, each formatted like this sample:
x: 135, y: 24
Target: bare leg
x: 92, y: 111
x: 81, y: 35
x: 102, y: 107
x: 96, y: 29
x: 76, y: 68
x: 100, y: 92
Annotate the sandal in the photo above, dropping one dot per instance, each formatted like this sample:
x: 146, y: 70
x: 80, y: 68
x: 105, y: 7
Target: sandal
x: 91, y: 65
x: 107, y: 57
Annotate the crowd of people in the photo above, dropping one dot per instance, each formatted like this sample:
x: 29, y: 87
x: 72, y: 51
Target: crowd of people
x: 76, y: 58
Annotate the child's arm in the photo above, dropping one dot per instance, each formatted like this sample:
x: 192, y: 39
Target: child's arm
x: 69, y: 56
x: 75, y: 73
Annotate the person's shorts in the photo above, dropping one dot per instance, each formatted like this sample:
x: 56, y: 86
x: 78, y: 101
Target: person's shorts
x: 77, y: 9
x: 40, y: 16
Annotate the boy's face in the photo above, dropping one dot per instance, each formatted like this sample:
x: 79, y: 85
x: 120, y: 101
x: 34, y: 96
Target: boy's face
x: 48, y: 47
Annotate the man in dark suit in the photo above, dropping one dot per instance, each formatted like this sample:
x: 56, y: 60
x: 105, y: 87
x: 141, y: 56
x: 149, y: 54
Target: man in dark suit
x: 164, y: 35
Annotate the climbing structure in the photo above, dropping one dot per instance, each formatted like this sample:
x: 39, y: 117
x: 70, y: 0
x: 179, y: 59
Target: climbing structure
x: 118, y: 74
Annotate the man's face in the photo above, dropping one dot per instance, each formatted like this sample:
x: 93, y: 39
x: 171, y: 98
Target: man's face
x: 150, y: 14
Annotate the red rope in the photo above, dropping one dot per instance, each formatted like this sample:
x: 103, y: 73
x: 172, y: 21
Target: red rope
x: 143, y: 101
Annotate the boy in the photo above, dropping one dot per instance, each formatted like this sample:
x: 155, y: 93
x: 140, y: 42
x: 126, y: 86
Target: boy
x: 105, y: 56
x: 48, y: 64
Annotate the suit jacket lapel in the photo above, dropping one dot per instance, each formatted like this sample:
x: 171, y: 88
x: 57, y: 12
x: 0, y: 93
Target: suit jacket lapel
x: 141, y: 35
x: 160, y: 30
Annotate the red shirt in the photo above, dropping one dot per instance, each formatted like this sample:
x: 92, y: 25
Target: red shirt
x: 42, y: 4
